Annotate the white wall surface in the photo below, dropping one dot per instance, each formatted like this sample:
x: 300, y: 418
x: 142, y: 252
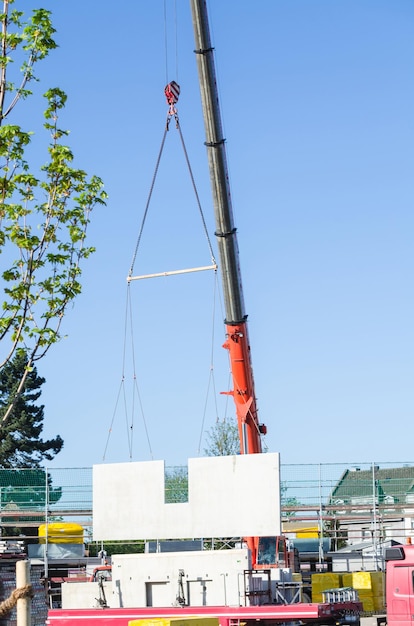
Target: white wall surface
x: 210, y: 578
x: 228, y: 496
x: 83, y: 595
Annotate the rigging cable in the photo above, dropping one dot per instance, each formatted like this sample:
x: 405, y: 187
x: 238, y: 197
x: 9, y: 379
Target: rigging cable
x: 148, y: 200
x: 211, y: 379
x: 195, y: 189
x: 172, y: 91
x: 135, y: 387
x: 121, y: 390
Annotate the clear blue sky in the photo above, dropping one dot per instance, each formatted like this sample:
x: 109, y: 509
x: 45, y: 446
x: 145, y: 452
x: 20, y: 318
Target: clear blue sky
x: 317, y: 103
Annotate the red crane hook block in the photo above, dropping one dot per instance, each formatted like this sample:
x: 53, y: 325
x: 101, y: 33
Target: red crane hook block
x: 172, y: 91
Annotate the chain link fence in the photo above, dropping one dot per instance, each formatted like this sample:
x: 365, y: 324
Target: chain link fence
x: 347, y: 502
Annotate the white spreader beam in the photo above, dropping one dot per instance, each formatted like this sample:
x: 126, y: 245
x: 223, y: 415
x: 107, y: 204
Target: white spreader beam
x: 173, y: 272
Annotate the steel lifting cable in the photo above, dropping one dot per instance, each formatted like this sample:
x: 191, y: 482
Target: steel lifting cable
x: 136, y: 391
x: 211, y: 379
x: 172, y: 91
x: 121, y: 390
x: 148, y: 201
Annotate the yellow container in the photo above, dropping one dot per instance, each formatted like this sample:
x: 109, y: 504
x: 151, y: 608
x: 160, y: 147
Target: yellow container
x: 60, y: 532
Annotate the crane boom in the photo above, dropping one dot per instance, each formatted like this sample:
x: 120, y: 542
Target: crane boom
x: 237, y: 340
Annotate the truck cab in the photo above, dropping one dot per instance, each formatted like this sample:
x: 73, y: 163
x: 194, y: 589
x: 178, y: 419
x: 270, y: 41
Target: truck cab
x: 400, y: 585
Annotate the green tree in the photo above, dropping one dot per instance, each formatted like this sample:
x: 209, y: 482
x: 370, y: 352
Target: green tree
x: 44, y: 209
x: 176, y: 484
x: 222, y: 439
x: 21, y: 445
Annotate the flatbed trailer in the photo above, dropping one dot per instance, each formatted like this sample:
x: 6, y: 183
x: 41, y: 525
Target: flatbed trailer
x: 306, y: 613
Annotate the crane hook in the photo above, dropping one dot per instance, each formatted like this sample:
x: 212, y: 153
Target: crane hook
x: 172, y: 91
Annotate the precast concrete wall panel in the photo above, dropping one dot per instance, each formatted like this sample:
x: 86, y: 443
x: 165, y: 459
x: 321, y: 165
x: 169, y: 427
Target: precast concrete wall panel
x: 210, y: 578
x: 228, y: 496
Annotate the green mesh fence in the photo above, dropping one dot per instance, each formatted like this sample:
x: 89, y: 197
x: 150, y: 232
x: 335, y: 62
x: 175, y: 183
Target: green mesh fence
x: 31, y: 497
x: 335, y: 484
x: 326, y: 496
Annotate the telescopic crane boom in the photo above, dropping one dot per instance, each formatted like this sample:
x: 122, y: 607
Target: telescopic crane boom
x: 237, y: 341
x: 237, y: 338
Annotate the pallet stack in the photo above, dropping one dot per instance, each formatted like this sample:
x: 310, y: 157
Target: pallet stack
x: 322, y: 582
x: 370, y: 587
x: 11, y: 548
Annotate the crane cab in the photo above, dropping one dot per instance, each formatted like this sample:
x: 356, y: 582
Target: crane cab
x: 271, y: 552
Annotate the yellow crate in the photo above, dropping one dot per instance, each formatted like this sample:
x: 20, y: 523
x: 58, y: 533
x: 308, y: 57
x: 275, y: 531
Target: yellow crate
x: 373, y: 581
x: 316, y: 597
x: 320, y: 582
x: 368, y: 604
x: 379, y: 604
x: 378, y: 583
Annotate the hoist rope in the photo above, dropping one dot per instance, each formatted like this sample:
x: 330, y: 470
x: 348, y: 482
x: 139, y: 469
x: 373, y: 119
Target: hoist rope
x: 176, y: 39
x: 166, y: 40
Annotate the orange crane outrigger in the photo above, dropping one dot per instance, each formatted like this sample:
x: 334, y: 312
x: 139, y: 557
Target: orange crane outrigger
x: 237, y: 338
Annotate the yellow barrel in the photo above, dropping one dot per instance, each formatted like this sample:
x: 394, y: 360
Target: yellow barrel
x: 60, y: 532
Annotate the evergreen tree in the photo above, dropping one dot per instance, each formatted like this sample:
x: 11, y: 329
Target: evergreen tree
x: 21, y: 444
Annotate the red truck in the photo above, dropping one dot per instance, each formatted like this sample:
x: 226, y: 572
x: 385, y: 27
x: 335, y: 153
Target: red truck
x: 399, y: 586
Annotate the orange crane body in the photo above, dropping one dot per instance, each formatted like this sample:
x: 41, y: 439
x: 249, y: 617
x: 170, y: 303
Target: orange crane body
x: 237, y: 343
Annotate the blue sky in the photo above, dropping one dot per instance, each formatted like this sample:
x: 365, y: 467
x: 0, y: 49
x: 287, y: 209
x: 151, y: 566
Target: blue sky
x: 317, y: 102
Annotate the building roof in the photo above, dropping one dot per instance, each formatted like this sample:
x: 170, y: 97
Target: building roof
x: 393, y: 484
